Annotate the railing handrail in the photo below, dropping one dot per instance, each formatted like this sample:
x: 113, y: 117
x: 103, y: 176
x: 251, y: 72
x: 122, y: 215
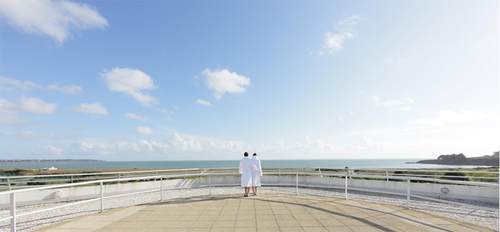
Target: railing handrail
x: 265, y: 173
x: 208, y: 169
x: 102, y: 173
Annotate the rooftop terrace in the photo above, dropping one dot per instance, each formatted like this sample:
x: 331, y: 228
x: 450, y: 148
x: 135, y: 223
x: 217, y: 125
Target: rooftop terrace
x: 266, y: 212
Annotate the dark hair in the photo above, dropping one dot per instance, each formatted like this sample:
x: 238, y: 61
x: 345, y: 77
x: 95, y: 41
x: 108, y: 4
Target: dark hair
x: 254, y: 154
x: 246, y: 154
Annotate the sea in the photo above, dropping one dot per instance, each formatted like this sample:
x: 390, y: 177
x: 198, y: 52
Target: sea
x: 312, y: 163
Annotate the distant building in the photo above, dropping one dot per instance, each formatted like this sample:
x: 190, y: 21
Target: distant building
x: 47, y: 169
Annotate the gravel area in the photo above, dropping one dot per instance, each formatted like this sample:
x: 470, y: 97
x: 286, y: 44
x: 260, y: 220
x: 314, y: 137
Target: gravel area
x: 34, y: 221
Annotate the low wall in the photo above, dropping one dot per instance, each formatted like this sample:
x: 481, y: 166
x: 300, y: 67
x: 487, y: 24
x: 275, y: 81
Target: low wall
x: 482, y: 194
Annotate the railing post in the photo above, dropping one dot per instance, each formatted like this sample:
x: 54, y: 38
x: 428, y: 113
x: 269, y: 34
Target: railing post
x: 279, y: 172
x: 210, y: 184
x: 346, y: 186
x: 186, y: 172
x: 161, y: 188
x: 408, y: 194
x: 119, y: 176
x: 321, y: 176
x: 8, y: 183
x: 387, y: 175
x: 72, y: 180
x: 297, y: 183
x: 13, y: 212
x: 102, y: 198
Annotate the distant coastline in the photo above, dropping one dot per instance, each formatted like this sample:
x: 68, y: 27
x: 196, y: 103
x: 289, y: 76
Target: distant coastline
x: 7, y: 161
x: 460, y: 159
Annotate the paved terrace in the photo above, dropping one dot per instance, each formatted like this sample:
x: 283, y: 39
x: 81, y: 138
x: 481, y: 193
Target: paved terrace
x: 266, y: 212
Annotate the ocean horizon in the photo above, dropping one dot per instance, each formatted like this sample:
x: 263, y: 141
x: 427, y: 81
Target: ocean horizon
x: 187, y: 164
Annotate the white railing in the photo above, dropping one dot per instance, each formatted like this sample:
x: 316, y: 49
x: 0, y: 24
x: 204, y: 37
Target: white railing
x: 13, y: 182
x: 347, y: 176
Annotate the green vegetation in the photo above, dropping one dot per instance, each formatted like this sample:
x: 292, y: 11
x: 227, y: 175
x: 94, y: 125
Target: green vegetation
x: 461, y: 159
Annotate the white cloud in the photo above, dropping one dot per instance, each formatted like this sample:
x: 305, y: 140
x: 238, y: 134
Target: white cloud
x: 406, y: 108
x: 352, y: 20
x: 130, y: 82
x: 70, y: 89
x: 9, y: 112
x: 136, y: 117
x: 166, y: 111
x: 168, y: 118
x: 92, y: 109
x: 53, y: 149
x: 144, y: 130
x: 223, y: 81
x: 9, y: 84
x: 179, y: 144
x: 57, y: 19
x: 392, y: 102
x: 176, y: 108
x: 201, y: 102
x: 25, y: 85
x: 36, y: 106
x: 333, y: 42
x: 448, y: 116
x: 86, y: 146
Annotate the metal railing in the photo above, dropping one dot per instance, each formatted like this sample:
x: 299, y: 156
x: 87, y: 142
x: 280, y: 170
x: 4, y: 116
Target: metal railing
x: 347, y: 176
x: 16, y: 182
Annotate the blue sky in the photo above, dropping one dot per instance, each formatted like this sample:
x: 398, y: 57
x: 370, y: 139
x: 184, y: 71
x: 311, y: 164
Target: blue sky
x: 209, y: 80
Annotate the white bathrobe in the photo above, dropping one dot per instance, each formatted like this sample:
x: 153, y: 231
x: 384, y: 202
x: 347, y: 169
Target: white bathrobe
x: 256, y: 174
x: 246, y: 167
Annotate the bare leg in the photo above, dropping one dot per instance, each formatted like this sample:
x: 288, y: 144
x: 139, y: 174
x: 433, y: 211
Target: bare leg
x: 255, y: 192
x: 247, y: 189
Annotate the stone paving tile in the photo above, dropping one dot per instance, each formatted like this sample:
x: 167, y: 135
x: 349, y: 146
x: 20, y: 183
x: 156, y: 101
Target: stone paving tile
x: 250, y: 224
x: 291, y: 229
x: 314, y: 229
x: 267, y: 212
x: 268, y: 229
x: 261, y: 224
x: 224, y: 224
x: 245, y: 229
x: 338, y: 229
x: 309, y: 222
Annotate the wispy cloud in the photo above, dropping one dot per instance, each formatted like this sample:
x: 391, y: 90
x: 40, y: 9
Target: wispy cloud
x: 130, y: 82
x: 57, y: 19
x: 201, y: 102
x: 10, y: 84
x: 53, y: 149
x: 447, y: 116
x: 70, y: 89
x: 136, y: 117
x: 333, y: 41
x: 92, y: 109
x: 392, y: 103
x: 9, y: 112
x: 144, y: 130
x: 166, y: 111
x: 223, y: 81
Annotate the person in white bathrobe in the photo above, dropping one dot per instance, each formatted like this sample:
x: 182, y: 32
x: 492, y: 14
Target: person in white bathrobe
x: 246, y: 167
x: 256, y: 174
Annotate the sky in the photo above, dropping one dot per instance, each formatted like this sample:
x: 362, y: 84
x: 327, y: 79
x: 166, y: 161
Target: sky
x: 209, y: 80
